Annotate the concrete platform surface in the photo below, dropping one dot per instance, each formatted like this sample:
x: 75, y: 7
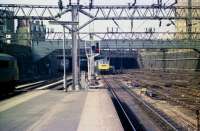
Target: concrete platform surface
x: 99, y: 113
x: 54, y: 110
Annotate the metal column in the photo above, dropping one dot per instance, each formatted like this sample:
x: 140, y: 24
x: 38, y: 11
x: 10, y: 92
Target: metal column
x: 64, y: 61
x: 189, y: 20
x: 75, y: 67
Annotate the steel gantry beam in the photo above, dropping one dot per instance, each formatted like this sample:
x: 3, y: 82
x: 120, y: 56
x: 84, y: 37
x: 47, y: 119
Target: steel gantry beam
x: 127, y: 40
x: 131, y: 35
x: 101, y: 12
x: 141, y: 12
x: 53, y: 36
x: 42, y: 12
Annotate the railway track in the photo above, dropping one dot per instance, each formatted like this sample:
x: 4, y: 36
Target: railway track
x: 186, y: 97
x: 54, y: 84
x: 171, y: 95
x: 126, y: 118
x: 159, y: 120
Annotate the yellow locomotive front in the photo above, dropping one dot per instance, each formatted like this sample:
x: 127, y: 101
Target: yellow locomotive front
x: 103, y: 66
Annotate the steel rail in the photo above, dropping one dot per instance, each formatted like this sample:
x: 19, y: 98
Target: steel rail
x: 156, y: 113
x: 119, y: 103
x: 149, y: 108
x: 191, y: 107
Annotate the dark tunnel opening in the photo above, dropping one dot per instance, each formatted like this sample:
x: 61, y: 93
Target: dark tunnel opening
x: 124, y: 63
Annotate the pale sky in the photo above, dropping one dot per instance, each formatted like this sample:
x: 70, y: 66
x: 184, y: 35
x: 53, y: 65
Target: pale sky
x: 139, y: 25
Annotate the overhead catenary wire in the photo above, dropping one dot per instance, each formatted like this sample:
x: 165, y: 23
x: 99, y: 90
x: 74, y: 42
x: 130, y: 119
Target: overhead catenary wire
x: 120, y: 28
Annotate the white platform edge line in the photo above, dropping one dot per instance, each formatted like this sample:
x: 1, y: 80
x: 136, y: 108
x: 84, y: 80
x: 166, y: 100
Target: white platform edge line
x: 22, y: 86
x: 46, y: 86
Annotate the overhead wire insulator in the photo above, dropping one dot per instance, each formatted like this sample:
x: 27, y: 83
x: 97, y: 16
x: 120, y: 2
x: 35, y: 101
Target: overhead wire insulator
x: 107, y: 29
x: 172, y: 22
x: 160, y: 23
x: 70, y: 2
x: 97, y: 48
x: 159, y: 3
x: 131, y: 25
x: 133, y: 4
x: 90, y: 4
x: 168, y: 24
x: 91, y: 36
x: 60, y: 4
x: 115, y: 23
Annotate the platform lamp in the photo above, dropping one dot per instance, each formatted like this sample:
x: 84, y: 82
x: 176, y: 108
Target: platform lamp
x: 63, y: 24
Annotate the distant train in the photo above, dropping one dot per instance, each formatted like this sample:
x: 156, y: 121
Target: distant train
x: 103, y: 66
x: 9, y: 72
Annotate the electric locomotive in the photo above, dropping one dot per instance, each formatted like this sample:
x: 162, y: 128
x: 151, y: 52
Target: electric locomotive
x: 9, y: 72
x: 103, y: 66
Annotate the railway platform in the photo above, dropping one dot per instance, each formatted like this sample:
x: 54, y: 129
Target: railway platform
x: 55, y: 110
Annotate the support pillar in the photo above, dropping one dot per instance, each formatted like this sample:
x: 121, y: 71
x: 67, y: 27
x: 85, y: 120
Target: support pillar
x: 75, y: 67
x: 189, y: 20
x: 64, y: 61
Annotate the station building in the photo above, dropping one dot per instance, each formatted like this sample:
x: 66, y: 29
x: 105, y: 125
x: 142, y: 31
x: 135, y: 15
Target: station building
x: 6, y: 29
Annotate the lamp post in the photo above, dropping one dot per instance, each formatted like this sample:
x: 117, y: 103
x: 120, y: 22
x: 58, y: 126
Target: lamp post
x: 64, y: 61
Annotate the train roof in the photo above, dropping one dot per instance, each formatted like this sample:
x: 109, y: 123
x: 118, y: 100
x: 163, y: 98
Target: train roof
x: 6, y: 57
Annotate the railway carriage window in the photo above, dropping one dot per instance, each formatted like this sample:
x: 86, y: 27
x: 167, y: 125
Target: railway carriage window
x: 4, y: 64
